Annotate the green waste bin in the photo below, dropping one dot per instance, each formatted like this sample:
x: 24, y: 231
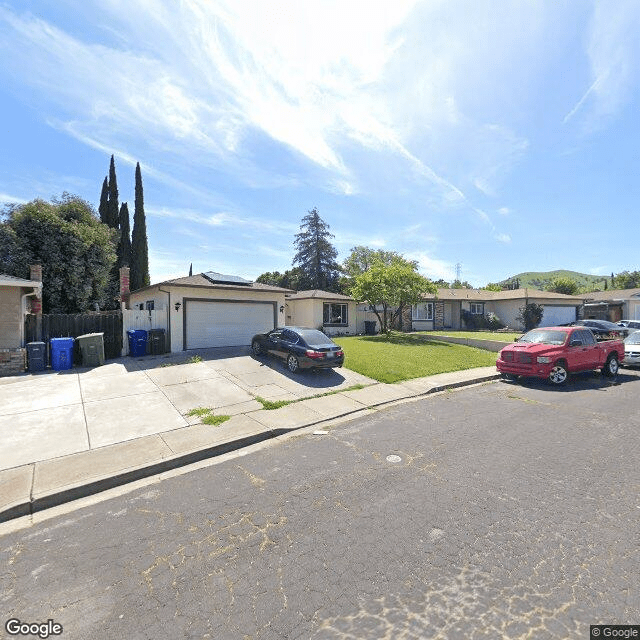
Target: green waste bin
x: 157, y: 344
x: 92, y: 349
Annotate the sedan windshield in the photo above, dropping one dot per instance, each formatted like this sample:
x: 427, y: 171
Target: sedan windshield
x: 541, y: 336
x: 634, y: 338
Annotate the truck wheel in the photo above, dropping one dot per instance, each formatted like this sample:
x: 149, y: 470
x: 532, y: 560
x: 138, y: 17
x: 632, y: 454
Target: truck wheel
x: 610, y: 369
x: 558, y: 374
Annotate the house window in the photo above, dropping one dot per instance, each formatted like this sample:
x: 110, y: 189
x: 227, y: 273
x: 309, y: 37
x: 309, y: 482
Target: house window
x: 334, y: 314
x: 422, y: 311
x: 150, y: 305
x: 477, y: 308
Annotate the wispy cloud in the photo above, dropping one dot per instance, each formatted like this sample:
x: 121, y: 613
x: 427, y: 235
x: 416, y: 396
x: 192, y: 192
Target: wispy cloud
x: 613, y: 49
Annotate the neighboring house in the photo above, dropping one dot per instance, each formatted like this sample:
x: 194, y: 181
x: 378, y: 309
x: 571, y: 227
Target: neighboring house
x: 213, y: 310
x: 14, y: 304
x: 613, y: 305
x: 444, y: 309
x: 333, y: 313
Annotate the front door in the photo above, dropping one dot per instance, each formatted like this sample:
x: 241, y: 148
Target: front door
x: 447, y: 315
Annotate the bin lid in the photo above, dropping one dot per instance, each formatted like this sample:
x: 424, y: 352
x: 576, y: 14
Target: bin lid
x: 91, y: 335
x: 39, y: 344
x: 137, y: 333
x: 156, y: 331
x: 62, y: 340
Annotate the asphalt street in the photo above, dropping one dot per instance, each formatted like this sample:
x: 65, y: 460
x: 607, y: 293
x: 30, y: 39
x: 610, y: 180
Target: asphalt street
x: 497, y: 511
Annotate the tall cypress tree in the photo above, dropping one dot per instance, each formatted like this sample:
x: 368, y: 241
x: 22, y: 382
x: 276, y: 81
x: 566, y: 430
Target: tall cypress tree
x: 114, y: 209
x: 139, y: 244
x: 103, y: 209
x: 124, y: 246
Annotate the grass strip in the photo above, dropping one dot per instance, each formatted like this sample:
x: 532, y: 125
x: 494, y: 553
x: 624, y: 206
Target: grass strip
x: 215, y: 420
x: 269, y: 405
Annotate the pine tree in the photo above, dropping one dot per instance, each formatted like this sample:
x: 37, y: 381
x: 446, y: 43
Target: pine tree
x: 124, y: 246
x: 316, y: 256
x: 114, y: 210
x: 103, y: 209
x: 139, y: 244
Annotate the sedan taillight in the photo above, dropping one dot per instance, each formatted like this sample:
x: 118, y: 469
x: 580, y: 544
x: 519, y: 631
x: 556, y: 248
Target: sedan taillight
x: 315, y: 355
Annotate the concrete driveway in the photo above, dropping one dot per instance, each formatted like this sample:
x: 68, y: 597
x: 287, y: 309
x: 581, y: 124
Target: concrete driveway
x: 53, y: 414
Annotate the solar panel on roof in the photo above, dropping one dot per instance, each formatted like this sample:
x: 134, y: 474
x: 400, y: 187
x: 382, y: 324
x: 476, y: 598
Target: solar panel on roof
x: 221, y: 278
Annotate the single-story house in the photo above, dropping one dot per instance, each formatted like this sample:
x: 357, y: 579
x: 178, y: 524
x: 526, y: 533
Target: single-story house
x: 444, y: 309
x: 613, y: 305
x: 332, y: 313
x: 213, y: 309
x: 14, y: 305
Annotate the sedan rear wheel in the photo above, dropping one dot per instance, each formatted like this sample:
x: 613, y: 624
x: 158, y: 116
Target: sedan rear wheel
x: 558, y: 374
x: 256, y: 348
x: 292, y: 363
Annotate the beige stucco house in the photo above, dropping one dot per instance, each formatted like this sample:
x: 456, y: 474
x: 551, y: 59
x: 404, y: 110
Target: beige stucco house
x: 15, y: 295
x: 213, y: 309
x: 613, y: 305
x: 444, y: 309
x: 332, y: 313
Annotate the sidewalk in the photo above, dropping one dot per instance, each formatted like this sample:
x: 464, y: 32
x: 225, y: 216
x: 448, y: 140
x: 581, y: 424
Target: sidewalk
x: 97, y: 447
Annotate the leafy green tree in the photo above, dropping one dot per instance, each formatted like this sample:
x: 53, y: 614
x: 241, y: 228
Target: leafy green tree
x: 14, y: 260
x: 441, y: 284
x: 124, y: 245
x: 274, y: 278
x: 76, y: 251
x: 456, y: 284
x: 530, y: 315
x: 567, y: 286
x: 315, y: 255
x: 492, y: 286
x: 627, y: 280
x: 362, y: 258
x: 389, y: 288
x: 139, y: 243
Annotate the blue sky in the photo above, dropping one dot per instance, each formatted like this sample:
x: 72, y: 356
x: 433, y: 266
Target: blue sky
x: 497, y: 134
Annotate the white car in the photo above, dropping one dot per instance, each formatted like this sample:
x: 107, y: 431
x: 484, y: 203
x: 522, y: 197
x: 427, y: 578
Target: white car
x: 632, y: 349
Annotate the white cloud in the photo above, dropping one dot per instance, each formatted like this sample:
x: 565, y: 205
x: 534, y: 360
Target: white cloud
x: 431, y: 267
x: 504, y: 211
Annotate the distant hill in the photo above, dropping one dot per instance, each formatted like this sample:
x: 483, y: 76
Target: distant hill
x: 540, y: 279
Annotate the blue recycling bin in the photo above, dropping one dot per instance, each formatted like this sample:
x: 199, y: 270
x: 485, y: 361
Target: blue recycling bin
x: 61, y: 353
x: 137, y: 342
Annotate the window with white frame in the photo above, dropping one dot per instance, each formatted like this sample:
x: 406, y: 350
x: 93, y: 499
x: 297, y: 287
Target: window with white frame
x: 476, y: 308
x: 334, y: 314
x: 422, y: 311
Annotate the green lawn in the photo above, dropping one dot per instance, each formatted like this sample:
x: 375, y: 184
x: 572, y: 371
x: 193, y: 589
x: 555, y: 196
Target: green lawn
x: 408, y: 355
x: 478, y: 335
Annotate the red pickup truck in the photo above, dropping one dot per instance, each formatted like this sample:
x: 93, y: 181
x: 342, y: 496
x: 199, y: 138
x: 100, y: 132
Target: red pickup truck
x: 555, y: 352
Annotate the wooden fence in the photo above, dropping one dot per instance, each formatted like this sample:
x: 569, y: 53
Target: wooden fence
x: 78, y: 324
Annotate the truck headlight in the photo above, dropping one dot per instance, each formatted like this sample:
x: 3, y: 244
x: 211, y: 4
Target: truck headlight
x: 544, y: 359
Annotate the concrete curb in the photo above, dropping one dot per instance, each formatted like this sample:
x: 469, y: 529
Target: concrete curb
x: 29, y: 504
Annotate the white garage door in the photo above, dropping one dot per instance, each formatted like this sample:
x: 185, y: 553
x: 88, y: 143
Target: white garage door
x: 554, y: 316
x: 225, y: 324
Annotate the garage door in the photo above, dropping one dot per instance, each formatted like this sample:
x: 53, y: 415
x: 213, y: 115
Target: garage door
x: 225, y: 324
x: 554, y: 316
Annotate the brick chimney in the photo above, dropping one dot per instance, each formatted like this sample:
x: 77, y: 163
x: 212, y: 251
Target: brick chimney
x: 124, y: 287
x: 35, y: 273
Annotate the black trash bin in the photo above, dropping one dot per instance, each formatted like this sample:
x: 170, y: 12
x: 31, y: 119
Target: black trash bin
x: 157, y: 343
x: 370, y: 327
x: 37, y: 356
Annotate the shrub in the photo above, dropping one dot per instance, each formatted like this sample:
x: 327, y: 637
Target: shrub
x: 530, y: 315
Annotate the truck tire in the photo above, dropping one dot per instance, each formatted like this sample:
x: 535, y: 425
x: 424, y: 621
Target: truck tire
x: 559, y: 374
x: 611, y: 367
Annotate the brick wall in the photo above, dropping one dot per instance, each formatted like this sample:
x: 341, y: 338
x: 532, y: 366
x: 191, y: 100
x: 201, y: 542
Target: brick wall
x: 12, y: 361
